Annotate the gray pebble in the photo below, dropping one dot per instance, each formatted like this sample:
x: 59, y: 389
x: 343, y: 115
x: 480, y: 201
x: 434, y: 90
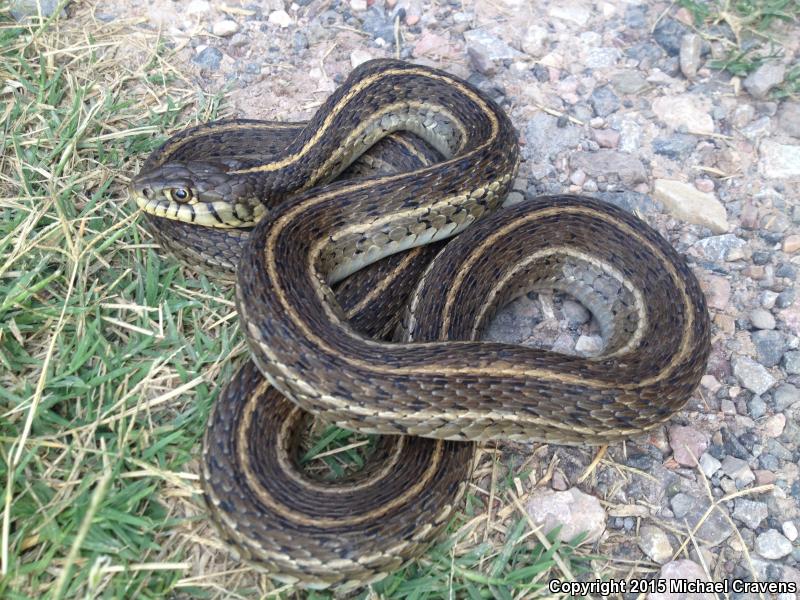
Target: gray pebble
x: 772, y: 545
x: 709, y: 464
x: 669, y: 34
x: 789, y: 118
x: 764, y: 78
x: 750, y: 512
x: 738, y: 469
x: 576, y: 312
x: 30, y: 8
x: 628, y: 82
x: 636, y: 16
x: 604, y: 101
x: 209, y: 58
x: 756, y: 407
x: 791, y: 362
x: 762, y: 319
x: 676, y: 146
x: 784, y: 396
x: 299, y: 41
x: 785, y: 299
x: 690, y: 54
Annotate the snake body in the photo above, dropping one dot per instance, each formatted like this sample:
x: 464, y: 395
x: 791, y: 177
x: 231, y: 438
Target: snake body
x: 439, y: 382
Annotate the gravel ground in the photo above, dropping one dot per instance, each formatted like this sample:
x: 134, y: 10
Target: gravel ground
x: 612, y: 99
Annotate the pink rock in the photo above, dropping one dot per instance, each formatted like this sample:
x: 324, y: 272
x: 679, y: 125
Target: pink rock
x: 791, y: 316
x: 717, y: 290
x: 687, y: 444
x: 774, y: 425
x: 791, y: 243
x: 704, y: 184
x: 607, y: 138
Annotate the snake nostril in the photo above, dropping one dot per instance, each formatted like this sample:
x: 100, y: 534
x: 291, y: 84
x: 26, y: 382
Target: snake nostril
x: 147, y: 192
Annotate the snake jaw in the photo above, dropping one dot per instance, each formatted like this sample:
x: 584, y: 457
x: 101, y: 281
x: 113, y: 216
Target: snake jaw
x: 193, y: 192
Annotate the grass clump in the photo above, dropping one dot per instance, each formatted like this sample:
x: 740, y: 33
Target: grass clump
x: 749, y: 33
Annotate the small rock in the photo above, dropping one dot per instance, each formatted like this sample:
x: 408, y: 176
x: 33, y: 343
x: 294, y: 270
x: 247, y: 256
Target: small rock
x: 772, y: 545
x: 575, y: 312
x: 717, y: 290
x: 774, y: 425
x: 20, y: 9
x: 208, y: 58
x: 750, y: 512
x: 606, y: 138
x: 770, y: 346
x: 604, y: 162
x: 490, y: 46
x: 577, y: 511
x: 676, y: 146
x: 785, y: 395
x: 601, y: 58
x: 628, y: 82
x: 676, y: 572
x: 513, y: 198
x: 709, y: 465
x: 688, y: 204
x: 704, y: 184
x: 764, y: 78
x: 578, y: 177
x: 545, y: 138
x: 687, y: 444
x: 198, y: 7
x: 225, y: 28
x: 791, y: 243
x: 534, y: 41
x: 719, y: 248
x: 688, y: 111
x: 669, y: 33
x: 789, y: 118
x: 358, y: 5
x: 379, y: 24
x: 359, y: 56
x: 789, y: 530
x: 756, y: 407
x: 690, y: 51
x: 791, y: 362
x: 738, y: 470
x: 573, y: 11
x: 655, y: 544
x: 762, y: 319
x: 757, y: 129
x: 779, y: 161
x: 727, y: 407
x: 299, y: 41
x: 589, y: 345
x: 742, y: 115
x: 711, y: 383
x: 280, y: 18
x: 752, y: 375
x: 604, y: 101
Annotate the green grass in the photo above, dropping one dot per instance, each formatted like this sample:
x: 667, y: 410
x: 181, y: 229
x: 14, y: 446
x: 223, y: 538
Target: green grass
x: 756, y: 29
x: 110, y: 354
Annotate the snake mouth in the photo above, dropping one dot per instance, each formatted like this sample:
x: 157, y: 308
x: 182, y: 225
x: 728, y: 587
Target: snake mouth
x: 218, y: 214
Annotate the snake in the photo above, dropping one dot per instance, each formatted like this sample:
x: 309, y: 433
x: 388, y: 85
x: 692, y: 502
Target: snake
x: 290, y: 233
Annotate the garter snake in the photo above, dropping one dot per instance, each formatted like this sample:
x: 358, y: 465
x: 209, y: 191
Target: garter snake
x: 308, y: 234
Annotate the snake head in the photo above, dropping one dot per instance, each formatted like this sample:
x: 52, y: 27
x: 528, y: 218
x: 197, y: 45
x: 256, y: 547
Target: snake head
x: 204, y: 193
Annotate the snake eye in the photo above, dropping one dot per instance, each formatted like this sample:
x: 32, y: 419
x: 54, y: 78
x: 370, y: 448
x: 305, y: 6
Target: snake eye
x: 179, y: 194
